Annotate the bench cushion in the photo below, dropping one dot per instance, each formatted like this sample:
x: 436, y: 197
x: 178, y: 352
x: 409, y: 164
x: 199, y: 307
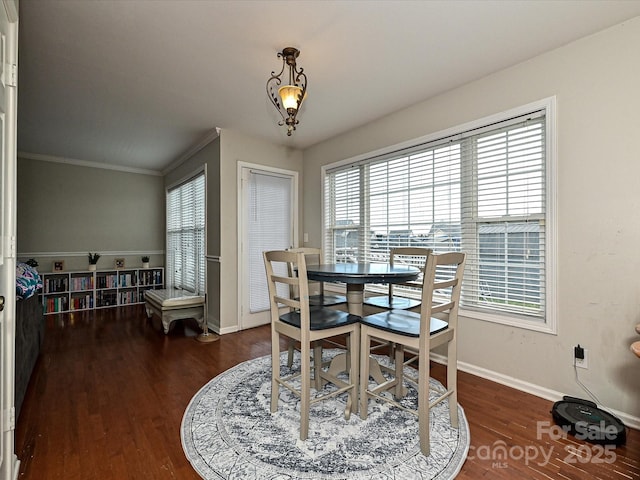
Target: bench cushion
x: 172, y: 298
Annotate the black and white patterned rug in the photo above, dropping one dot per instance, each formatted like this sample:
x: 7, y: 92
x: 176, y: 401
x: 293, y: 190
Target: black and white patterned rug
x: 228, y: 432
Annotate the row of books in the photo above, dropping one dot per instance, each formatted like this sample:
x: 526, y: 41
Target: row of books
x: 86, y: 302
x: 127, y: 280
x: 57, y: 304
x: 56, y: 284
x: 81, y: 283
x: 106, y: 299
x: 151, y: 277
x: 60, y: 283
x: 107, y: 281
x: 81, y: 302
x: 130, y: 296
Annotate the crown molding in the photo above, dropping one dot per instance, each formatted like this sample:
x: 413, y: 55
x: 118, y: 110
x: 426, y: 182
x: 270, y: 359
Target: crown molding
x: 86, y: 163
x: 204, y: 141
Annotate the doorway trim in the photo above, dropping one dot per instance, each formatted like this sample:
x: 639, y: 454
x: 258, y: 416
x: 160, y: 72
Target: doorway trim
x: 242, y: 226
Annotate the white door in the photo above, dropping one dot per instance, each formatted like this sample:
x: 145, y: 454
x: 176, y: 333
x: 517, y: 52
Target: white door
x: 268, y: 212
x: 8, y: 96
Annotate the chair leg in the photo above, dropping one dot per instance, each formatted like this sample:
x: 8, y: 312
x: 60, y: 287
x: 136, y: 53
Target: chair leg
x: 365, y: 343
x: 290, y: 353
x: 423, y: 402
x: 452, y: 382
x: 399, y: 370
x: 275, y: 370
x: 353, y: 361
x: 317, y: 365
x: 305, y: 392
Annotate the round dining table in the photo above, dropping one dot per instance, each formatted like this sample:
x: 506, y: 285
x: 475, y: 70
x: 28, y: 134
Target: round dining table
x: 356, y: 275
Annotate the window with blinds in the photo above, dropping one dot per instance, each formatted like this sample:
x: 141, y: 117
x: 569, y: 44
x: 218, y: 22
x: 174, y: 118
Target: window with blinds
x: 186, y: 264
x: 481, y: 191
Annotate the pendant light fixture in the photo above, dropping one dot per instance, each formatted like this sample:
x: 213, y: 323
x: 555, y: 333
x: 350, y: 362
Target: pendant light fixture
x: 288, y: 97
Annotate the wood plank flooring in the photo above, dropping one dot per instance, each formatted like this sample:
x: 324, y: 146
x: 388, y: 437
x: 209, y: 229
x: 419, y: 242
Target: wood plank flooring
x: 108, y: 393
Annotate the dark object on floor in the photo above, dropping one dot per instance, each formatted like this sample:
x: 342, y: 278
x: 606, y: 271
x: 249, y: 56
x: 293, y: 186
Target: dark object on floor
x: 585, y: 421
x: 29, y: 338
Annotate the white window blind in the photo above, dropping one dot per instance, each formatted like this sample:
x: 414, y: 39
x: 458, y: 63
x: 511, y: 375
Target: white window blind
x: 269, y: 228
x: 186, y: 248
x: 481, y: 191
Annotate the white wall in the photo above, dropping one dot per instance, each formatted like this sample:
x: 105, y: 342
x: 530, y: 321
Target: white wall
x: 208, y: 156
x: 237, y: 147
x: 65, y: 211
x: 598, y: 104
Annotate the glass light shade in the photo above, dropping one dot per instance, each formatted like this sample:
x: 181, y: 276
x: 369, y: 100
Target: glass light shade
x: 289, y: 95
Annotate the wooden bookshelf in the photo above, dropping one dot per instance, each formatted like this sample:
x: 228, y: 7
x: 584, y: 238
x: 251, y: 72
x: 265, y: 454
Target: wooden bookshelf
x: 86, y: 290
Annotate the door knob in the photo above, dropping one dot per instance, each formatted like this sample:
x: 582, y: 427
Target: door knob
x: 1, y: 303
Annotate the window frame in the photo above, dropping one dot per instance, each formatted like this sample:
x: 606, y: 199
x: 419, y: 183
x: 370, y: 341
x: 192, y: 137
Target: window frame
x: 200, y: 172
x: 547, y: 324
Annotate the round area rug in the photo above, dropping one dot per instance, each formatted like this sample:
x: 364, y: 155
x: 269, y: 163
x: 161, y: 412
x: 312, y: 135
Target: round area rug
x: 228, y: 432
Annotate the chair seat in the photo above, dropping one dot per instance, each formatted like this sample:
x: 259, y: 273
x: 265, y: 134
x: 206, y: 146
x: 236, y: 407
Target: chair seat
x: 326, y: 300
x: 321, y: 318
x: 402, y: 322
x: 400, y: 303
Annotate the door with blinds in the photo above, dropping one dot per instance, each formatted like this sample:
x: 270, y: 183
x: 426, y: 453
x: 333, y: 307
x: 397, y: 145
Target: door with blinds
x: 268, y: 222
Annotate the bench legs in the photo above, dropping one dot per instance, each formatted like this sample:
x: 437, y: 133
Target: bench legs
x: 169, y: 315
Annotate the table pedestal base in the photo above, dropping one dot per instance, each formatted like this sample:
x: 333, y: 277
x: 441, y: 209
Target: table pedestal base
x: 355, y: 297
x: 339, y: 365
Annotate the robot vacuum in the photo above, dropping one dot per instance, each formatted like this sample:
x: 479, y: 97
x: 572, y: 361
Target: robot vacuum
x: 585, y: 421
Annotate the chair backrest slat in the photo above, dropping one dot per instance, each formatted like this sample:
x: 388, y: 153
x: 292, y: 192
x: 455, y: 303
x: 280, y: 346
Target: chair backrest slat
x: 292, y: 273
x: 295, y: 304
x: 441, y: 285
x: 418, y: 258
x: 312, y: 256
x: 451, y: 266
x: 285, y: 280
x: 441, y: 307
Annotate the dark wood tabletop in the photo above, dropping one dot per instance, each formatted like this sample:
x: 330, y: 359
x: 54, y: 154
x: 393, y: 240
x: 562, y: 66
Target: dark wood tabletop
x: 361, y: 273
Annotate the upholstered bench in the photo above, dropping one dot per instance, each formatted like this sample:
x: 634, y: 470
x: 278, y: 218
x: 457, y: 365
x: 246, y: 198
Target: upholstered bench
x: 172, y: 304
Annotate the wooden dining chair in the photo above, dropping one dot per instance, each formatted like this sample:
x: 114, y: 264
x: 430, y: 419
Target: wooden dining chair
x: 635, y: 346
x: 295, y: 319
x: 414, y: 256
x: 435, y: 325
x: 313, y: 256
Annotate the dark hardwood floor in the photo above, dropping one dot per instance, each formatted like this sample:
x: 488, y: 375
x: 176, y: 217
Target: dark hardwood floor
x: 108, y: 393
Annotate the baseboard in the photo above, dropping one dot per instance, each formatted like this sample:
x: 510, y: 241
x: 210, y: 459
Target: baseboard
x: 542, y: 392
x: 16, y: 467
x: 224, y: 331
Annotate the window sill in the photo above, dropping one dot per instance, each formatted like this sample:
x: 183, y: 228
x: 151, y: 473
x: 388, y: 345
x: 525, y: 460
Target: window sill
x: 511, y: 321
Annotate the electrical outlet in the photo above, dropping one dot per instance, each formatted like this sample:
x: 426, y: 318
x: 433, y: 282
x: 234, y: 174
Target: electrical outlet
x: 582, y: 362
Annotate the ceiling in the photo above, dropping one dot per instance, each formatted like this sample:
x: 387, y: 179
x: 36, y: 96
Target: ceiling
x: 137, y: 84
